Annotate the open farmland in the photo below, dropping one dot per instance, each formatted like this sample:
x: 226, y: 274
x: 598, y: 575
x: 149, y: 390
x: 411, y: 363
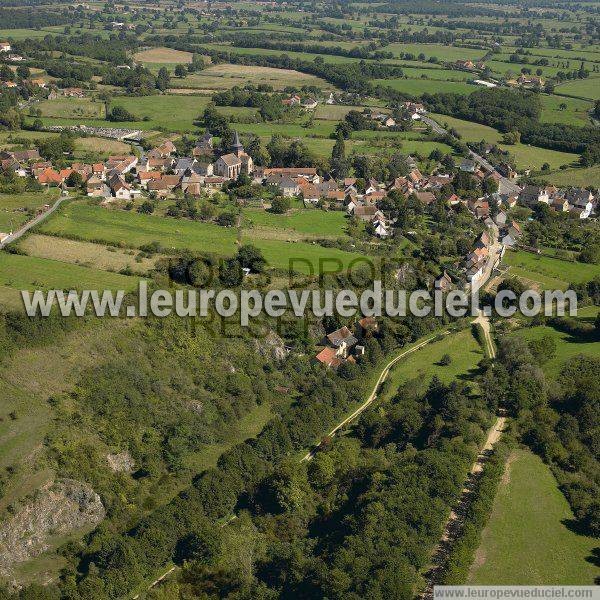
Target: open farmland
x: 528, y: 540
x: 31, y: 273
x: 163, y: 56
x: 546, y: 272
x: 132, y: 230
x: 17, y: 209
x: 225, y: 76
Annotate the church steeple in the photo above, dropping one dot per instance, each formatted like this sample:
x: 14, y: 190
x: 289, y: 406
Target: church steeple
x: 237, y: 147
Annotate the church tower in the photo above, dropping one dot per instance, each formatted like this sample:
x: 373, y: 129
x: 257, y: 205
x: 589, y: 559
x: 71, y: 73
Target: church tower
x: 236, y: 147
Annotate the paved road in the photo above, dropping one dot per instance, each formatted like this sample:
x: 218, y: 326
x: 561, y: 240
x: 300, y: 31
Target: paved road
x: 505, y: 186
x: 13, y: 237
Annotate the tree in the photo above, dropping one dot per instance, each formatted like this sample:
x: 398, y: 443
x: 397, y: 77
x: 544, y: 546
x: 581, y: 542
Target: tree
x: 120, y: 114
x: 445, y: 360
x: 163, y: 79
x: 250, y: 257
x: 226, y: 219
x: 280, y: 205
x: 74, y: 179
x: 146, y: 208
x: 180, y: 71
x: 511, y: 138
x: 339, y: 164
x: 23, y: 72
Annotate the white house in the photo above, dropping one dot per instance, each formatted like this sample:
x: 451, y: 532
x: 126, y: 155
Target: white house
x: 5, y: 47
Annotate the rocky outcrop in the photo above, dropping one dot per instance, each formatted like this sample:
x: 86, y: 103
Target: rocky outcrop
x: 121, y: 462
x: 59, y: 508
x: 271, y: 346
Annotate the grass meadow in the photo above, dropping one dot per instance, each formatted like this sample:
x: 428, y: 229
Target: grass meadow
x: 88, y: 222
x: 546, y: 272
x: 527, y: 540
x: 423, y: 364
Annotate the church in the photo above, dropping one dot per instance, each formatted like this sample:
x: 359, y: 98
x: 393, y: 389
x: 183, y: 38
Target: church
x: 236, y: 162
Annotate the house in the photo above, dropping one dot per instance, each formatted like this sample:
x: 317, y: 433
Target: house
x: 157, y: 163
x: 49, y: 177
x: 96, y: 188
x: 25, y: 155
x: 204, y: 146
x: 560, y: 204
x: 580, y: 201
x: 415, y: 176
x: 291, y: 101
x: 468, y: 166
x: 469, y: 65
x: 367, y: 213
x: 308, y: 173
x: 205, y: 169
x: 5, y: 47
x: 309, y: 104
x: 14, y: 166
x: 192, y: 185
x: 183, y: 164
x: 500, y: 219
x: 120, y: 189
x: 310, y: 193
x: 73, y: 92
x: 530, y: 81
x: 532, y: 194
x: 158, y: 187
x: 171, y: 181
x: 480, y: 208
x: 443, y: 282
x: 287, y: 186
x: 39, y: 82
x: 145, y: 177
x: 381, y: 229
x: 329, y: 357
x: 167, y: 148
x: 331, y: 99
x: 121, y: 163
x: 214, y: 183
x: 99, y: 170
x: 342, y: 339
x: 425, y: 197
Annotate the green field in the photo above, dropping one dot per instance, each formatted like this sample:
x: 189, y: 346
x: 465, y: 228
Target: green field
x: 577, y: 177
x: 443, y: 52
x: 469, y: 131
x: 312, y: 222
x: 423, y: 364
x: 130, y: 229
x: 527, y: 541
x: 547, y: 272
x: 581, y: 88
x: 532, y: 157
x: 30, y: 273
x: 416, y: 87
x: 14, y: 207
x: 72, y: 108
x: 576, y: 113
x: 566, y: 345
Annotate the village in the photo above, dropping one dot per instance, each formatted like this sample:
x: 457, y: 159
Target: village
x: 161, y: 173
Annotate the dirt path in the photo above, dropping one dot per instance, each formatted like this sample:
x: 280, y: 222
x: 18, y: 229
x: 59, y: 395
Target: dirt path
x: 373, y: 396
x: 454, y: 525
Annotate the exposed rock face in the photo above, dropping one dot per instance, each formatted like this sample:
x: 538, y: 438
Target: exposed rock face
x: 272, y: 346
x: 121, y: 462
x: 59, y: 508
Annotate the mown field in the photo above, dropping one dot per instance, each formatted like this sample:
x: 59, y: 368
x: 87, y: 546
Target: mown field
x: 129, y: 229
x: 528, y: 540
x: 311, y: 222
x: 31, y: 273
x: 581, y: 88
x: 16, y: 209
x: 575, y: 177
x: 423, y: 364
x: 546, y: 272
x: 566, y: 345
